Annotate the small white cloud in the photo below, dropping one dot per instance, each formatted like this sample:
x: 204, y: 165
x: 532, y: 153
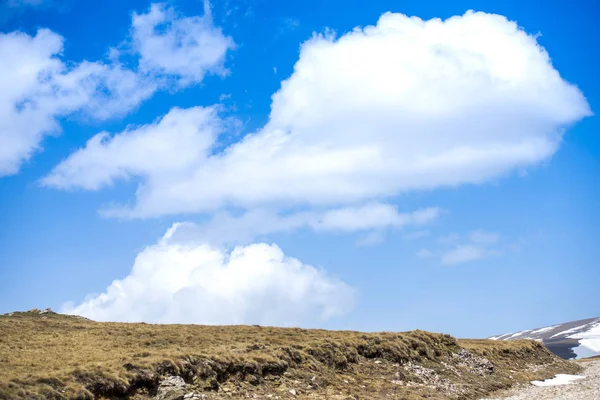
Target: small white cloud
x: 477, y: 245
x: 373, y: 215
x: 189, y: 281
x: 184, y: 48
x: 463, y: 253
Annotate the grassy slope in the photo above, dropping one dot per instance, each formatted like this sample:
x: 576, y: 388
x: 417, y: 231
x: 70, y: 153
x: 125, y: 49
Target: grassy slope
x: 59, y: 357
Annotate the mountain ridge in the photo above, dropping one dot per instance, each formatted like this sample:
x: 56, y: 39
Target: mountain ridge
x: 570, y: 340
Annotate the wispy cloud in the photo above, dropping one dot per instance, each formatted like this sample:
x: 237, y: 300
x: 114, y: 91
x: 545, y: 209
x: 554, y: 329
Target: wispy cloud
x: 287, y: 25
x: 372, y: 220
x: 463, y: 253
x: 457, y: 249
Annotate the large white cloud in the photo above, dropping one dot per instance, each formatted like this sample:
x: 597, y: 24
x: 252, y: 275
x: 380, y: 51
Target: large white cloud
x: 189, y: 281
x: 39, y: 87
x: 404, y: 105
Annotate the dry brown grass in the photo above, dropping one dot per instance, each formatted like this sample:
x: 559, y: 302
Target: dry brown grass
x: 53, y: 356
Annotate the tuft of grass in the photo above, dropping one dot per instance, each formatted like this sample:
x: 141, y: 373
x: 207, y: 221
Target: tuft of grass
x: 53, y: 356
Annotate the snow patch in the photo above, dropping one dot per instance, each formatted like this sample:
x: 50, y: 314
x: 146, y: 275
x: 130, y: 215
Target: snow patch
x: 546, y: 329
x: 572, y: 330
x: 589, y: 341
x: 503, y: 337
x: 519, y: 334
x: 560, y: 379
x: 587, y: 348
x: 592, y: 333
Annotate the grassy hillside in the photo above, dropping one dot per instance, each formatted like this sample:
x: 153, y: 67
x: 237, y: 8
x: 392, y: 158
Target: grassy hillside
x: 52, y: 356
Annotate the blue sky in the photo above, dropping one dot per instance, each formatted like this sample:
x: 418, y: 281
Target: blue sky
x: 437, y: 182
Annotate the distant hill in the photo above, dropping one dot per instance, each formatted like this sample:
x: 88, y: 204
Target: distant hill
x: 571, y: 340
x: 45, y: 355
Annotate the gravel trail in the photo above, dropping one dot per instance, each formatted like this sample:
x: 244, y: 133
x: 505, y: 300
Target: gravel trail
x: 583, y: 389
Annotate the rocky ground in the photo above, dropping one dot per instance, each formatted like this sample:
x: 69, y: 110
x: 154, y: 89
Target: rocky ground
x: 583, y: 389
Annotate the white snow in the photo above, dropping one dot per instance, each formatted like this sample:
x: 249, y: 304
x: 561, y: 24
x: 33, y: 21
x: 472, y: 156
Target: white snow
x: 572, y: 330
x: 518, y: 334
x: 521, y: 334
x: 501, y: 337
x: 592, y: 333
x: 560, y: 379
x: 546, y: 329
x: 587, y: 335
x: 589, y: 343
x: 505, y: 335
x: 587, y: 348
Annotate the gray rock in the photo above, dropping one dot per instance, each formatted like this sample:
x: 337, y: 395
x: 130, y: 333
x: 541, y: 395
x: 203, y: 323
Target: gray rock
x: 171, y: 388
x: 195, y: 396
x: 475, y: 364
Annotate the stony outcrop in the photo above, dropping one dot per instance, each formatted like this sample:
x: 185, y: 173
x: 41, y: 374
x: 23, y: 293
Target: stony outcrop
x: 171, y: 388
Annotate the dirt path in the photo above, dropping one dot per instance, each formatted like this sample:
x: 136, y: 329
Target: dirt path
x: 583, y: 389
